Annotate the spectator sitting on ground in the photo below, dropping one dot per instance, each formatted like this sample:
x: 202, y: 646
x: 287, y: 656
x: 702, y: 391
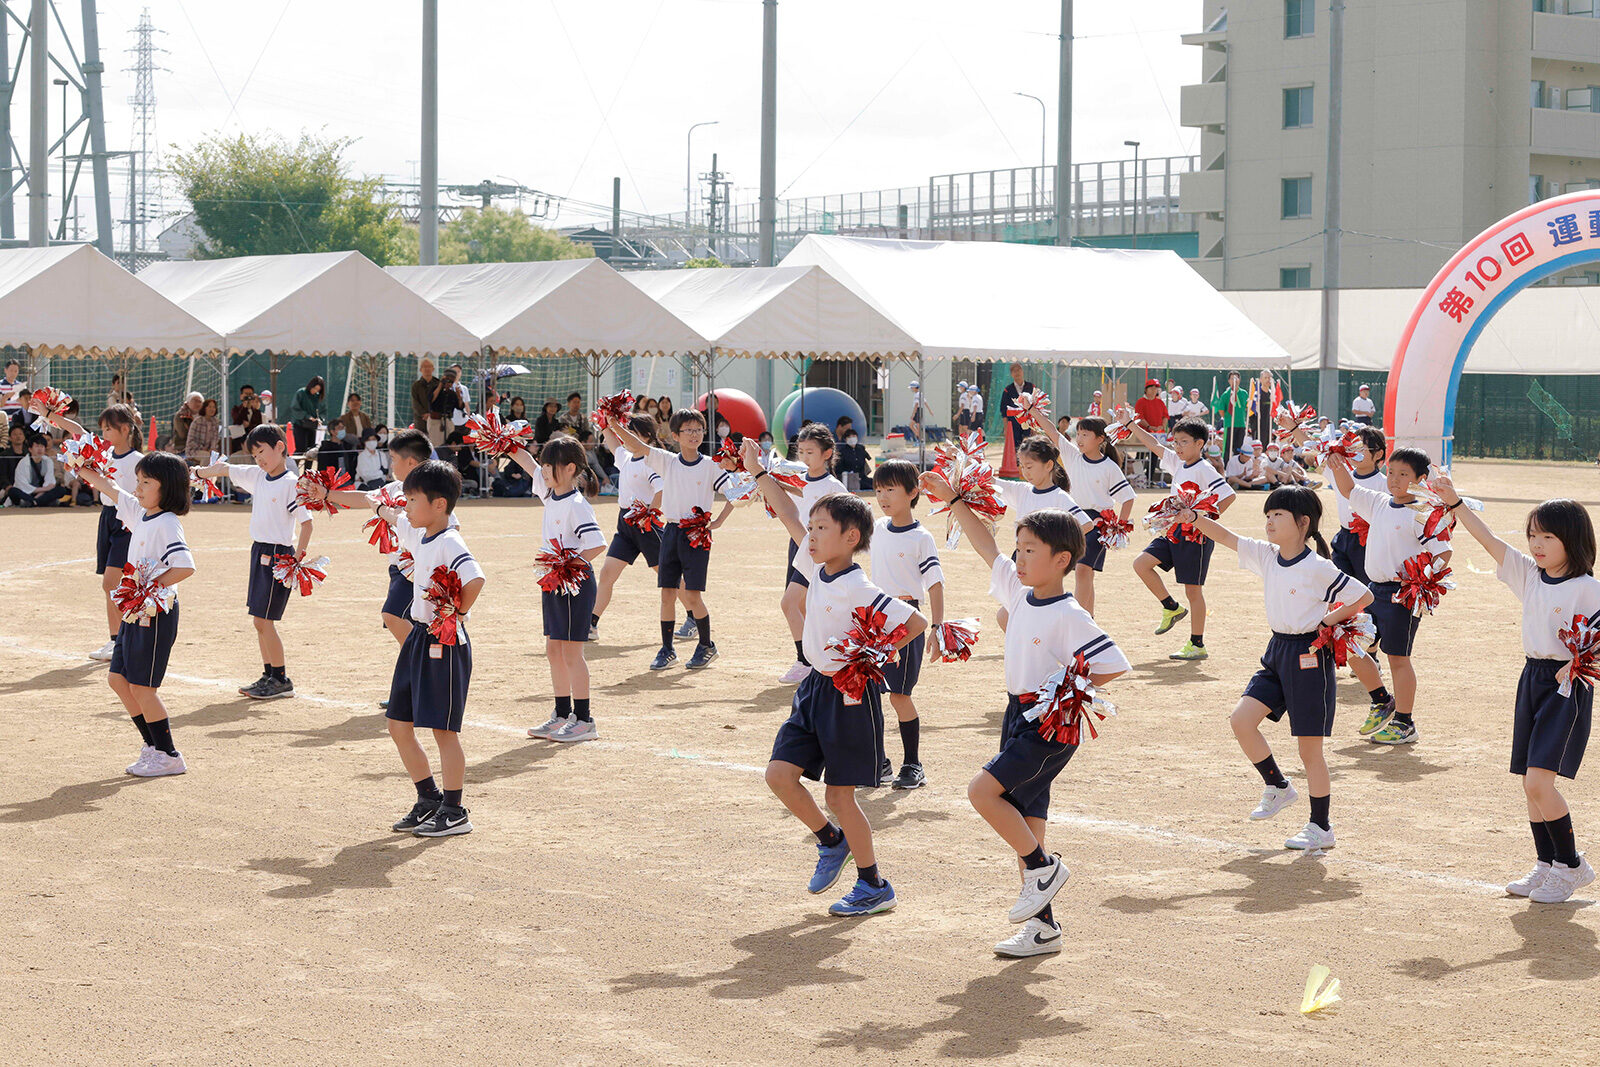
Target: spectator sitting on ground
x: 512, y: 481
x: 337, y: 450
x: 548, y: 422
x: 1244, y: 468
x: 604, y: 474
x: 372, y: 464
x: 15, y: 449
x: 205, y: 436
x: 463, y: 457
x: 35, y: 485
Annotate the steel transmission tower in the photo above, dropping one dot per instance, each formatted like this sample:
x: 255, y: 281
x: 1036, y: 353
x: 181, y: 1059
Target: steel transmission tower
x: 145, y: 158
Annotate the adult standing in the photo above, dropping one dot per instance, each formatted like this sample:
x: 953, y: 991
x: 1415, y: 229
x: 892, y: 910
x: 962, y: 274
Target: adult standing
x: 1230, y: 409
x: 459, y: 418
x: 205, y: 436
x: 11, y: 395
x: 1263, y: 406
x: 1362, y: 409
x: 307, y: 408
x: 183, y: 419
x: 1015, y: 388
x: 1150, y: 412
x: 354, y: 420
x: 442, y: 409
x: 422, y: 392
x: 246, y: 415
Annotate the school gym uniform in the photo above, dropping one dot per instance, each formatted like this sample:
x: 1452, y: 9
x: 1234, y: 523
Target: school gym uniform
x: 1299, y: 592
x: 826, y: 737
x: 1025, y: 499
x: 1041, y: 635
x: 1349, y: 551
x: 143, y: 647
x: 569, y: 521
x: 1099, y: 485
x: 1189, y: 561
x: 275, y: 511
x: 814, y: 490
x: 429, y: 687
x: 397, y: 601
x: 1550, y: 731
x: 685, y: 485
x: 905, y: 565
x: 1394, y: 536
x: 111, y: 540
x: 635, y: 482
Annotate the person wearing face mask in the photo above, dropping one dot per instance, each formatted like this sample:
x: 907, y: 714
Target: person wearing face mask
x: 372, y: 465
x: 850, y: 464
x: 337, y: 450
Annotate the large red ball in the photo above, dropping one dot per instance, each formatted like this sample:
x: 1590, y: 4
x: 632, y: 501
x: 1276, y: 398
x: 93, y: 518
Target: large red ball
x: 744, y: 415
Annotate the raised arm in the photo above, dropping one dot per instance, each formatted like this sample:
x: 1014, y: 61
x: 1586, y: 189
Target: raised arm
x: 1343, y: 480
x: 1211, y: 528
x: 630, y: 440
x: 772, y: 491
x: 99, y: 481
x: 1471, y: 520
x: 74, y: 428
x: 978, y: 535
x: 1144, y: 437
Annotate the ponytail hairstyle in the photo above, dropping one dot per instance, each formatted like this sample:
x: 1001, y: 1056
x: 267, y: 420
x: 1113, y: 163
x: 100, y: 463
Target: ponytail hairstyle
x: 1097, y: 426
x: 562, y: 450
x: 644, y: 428
x: 123, y: 416
x: 1302, y: 503
x: 1039, y: 448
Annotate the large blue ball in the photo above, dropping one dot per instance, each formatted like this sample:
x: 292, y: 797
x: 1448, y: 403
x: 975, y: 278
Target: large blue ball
x: 826, y: 406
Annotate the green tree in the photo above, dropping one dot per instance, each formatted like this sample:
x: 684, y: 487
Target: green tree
x: 704, y: 261
x: 257, y: 194
x: 494, y: 235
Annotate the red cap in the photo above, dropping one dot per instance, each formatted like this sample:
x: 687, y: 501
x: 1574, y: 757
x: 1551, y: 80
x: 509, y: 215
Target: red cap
x: 1148, y: 382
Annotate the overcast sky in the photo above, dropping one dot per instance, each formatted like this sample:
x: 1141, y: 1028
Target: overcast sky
x: 560, y: 95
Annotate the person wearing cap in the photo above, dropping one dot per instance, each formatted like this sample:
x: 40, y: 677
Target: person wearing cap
x: 1362, y: 408
x: 1015, y: 388
x: 1244, y: 468
x: 269, y: 408
x: 975, y: 406
x: 1150, y: 412
x: 1177, y: 406
x: 963, y: 407
x: 1094, y: 405
x: 1195, y: 408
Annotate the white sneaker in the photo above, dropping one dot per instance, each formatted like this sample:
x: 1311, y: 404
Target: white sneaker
x: 159, y: 765
x: 573, y: 730
x: 1311, y: 839
x: 549, y: 729
x: 1039, y: 887
x: 144, y: 757
x: 1274, y: 800
x: 1525, y: 885
x: 1562, y: 882
x: 795, y: 674
x: 103, y: 653
x: 1036, y: 938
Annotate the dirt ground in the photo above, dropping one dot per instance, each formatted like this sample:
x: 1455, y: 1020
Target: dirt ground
x: 641, y: 899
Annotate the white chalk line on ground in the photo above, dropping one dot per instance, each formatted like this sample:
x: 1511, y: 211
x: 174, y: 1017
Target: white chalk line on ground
x: 1094, y: 824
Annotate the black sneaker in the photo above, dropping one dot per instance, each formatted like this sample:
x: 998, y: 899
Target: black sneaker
x: 420, y: 812
x: 270, y: 689
x: 703, y: 655
x: 254, y: 689
x: 910, y: 777
x: 664, y: 659
x: 885, y: 772
x: 447, y: 820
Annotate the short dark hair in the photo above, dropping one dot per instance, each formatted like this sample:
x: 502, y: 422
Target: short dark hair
x: 1193, y: 428
x: 1415, y: 458
x: 352, y: 396
x: 173, y: 475
x: 412, y: 444
x: 901, y: 472
x: 265, y: 434
x: 1059, y: 531
x: 435, y: 480
x: 643, y: 427
x: 684, y: 416
x: 850, y: 512
x: 37, y: 439
x: 1568, y: 522
x: 818, y: 433
x: 574, y: 395
x: 14, y: 363
x: 1375, y: 442
x: 842, y: 419
x: 120, y: 415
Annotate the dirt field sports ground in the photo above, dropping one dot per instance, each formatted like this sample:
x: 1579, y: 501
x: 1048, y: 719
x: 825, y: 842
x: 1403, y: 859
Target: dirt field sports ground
x: 641, y: 899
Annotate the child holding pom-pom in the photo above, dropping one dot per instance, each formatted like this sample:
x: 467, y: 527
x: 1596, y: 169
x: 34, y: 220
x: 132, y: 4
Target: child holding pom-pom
x: 1094, y: 468
x: 638, y: 513
x: 1304, y: 592
x: 1555, y: 695
x: 1047, y: 630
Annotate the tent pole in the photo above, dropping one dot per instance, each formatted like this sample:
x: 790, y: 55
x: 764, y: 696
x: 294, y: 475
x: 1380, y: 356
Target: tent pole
x: 222, y: 402
x: 922, y: 438
x: 711, y: 400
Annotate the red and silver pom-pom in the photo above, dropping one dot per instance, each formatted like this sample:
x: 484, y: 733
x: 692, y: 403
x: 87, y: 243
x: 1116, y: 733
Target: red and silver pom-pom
x: 1583, y: 641
x: 644, y: 517
x: 1292, y: 418
x: 1346, y: 639
x: 302, y: 574
x: 331, y: 479
x: 614, y: 410
x: 52, y: 401
x: 1424, y: 580
x: 444, y: 594
x: 208, y: 489
x: 866, y: 648
x: 561, y: 570
x: 783, y: 471
x: 1113, y: 531
x: 954, y: 640
x: 963, y: 465
x: 728, y: 452
x: 1360, y: 527
x: 382, y: 532
x: 496, y: 439
x: 139, y: 594
x: 1348, y: 447
x: 696, y: 528
x: 86, y: 452
x: 1066, y: 703
x: 1437, y: 517
x: 407, y: 564
x: 1163, y: 516
x: 1028, y: 406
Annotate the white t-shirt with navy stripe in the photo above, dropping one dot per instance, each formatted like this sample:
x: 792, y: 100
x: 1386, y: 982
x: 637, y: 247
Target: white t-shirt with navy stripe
x: 1201, y: 474
x: 1548, y: 604
x: 831, y: 600
x: 157, y: 536
x: 1097, y: 484
x: 1395, y: 535
x: 635, y: 480
x: 125, y: 473
x: 397, y: 490
x: 1024, y: 499
x: 1377, y: 481
x: 685, y: 486
x: 1298, y: 591
x: 443, y: 549
x: 569, y: 521
x: 1042, y: 636
x: 905, y: 559
x: 275, y: 508
x: 814, y: 490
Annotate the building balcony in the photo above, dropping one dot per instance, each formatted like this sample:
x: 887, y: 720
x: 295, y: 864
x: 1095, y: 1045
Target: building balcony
x: 1571, y: 38
x: 1204, y: 105
x: 1575, y: 134
x: 1201, y: 192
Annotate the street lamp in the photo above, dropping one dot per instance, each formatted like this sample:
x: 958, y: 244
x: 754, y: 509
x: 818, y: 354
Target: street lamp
x: 688, y: 174
x: 62, y: 233
x: 1043, y: 116
x: 1136, y: 190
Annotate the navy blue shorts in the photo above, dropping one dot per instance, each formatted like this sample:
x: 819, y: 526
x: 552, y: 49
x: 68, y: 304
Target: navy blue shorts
x: 143, y: 648
x: 901, y: 675
x: 429, y: 689
x: 566, y: 618
x: 1027, y: 763
x: 398, y: 600
x: 1349, y: 554
x: 839, y: 743
x: 1285, y: 685
x: 1550, y: 731
x: 794, y: 577
x: 1094, y: 550
x: 630, y: 542
x: 1187, y: 561
x: 110, y: 541
x: 1397, y: 627
x: 681, y: 562
x: 267, y: 597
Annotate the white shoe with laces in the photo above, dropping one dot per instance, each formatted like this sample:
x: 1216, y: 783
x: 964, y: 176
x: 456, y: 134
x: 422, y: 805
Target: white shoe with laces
x: 1563, y: 881
x: 575, y: 730
x: 1039, y: 887
x: 1525, y: 885
x: 548, y: 730
x: 1036, y: 938
x: 795, y: 674
x: 1312, y: 839
x: 159, y: 765
x: 1274, y: 800
x: 104, y: 652
x: 144, y: 757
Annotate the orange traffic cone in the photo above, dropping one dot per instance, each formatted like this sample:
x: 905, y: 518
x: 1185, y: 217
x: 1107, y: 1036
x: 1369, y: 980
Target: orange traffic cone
x: 1008, y: 462
x: 288, y: 438
x: 150, y: 446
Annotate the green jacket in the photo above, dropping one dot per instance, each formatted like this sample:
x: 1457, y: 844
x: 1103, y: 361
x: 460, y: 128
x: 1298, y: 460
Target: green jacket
x: 306, y: 408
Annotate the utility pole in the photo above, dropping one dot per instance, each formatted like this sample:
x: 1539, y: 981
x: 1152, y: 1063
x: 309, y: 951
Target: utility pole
x: 1064, y: 132
x: 61, y: 230
x: 616, y: 218
x: 769, y: 131
x: 104, y: 236
x: 718, y: 198
x: 428, y: 218
x: 1328, y: 373
x: 1137, y: 191
x: 38, y: 118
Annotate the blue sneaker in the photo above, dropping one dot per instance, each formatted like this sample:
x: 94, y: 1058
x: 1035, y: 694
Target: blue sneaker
x: 864, y: 899
x: 830, y: 861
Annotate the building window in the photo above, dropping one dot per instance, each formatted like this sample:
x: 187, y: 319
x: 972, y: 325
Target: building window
x: 1538, y: 97
x: 1298, y: 19
x: 1297, y: 198
x: 1535, y: 188
x: 1297, y: 108
x: 1294, y: 277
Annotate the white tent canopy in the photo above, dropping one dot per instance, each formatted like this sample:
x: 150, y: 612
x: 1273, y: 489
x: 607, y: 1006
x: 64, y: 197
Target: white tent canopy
x: 316, y: 304
x: 1087, y: 306
x: 573, y: 307
x: 70, y: 300
x: 785, y: 312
